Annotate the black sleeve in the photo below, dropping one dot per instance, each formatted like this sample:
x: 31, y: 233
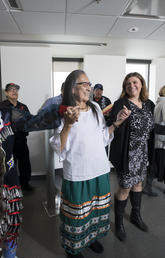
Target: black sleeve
x: 24, y: 107
x: 151, y: 141
x: 117, y: 106
x: 108, y: 102
x: 112, y: 115
x: 159, y: 129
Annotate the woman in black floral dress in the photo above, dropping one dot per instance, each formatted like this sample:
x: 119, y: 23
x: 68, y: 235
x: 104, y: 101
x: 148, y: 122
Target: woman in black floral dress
x: 132, y: 149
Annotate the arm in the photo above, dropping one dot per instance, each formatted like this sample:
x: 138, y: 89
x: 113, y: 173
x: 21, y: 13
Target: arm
x: 122, y: 115
x: 159, y: 129
x: 64, y: 134
x: 45, y: 119
x: 70, y: 116
x: 159, y: 116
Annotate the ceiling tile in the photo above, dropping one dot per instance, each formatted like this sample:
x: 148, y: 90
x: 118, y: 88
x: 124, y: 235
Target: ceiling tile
x: 104, y: 7
x: 40, y: 23
x: 2, y: 7
x: 91, y: 25
x: 43, y: 5
x: 7, y: 25
x: 145, y: 26
x: 158, y: 34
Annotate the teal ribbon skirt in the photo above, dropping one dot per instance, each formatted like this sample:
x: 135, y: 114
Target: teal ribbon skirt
x: 84, y: 212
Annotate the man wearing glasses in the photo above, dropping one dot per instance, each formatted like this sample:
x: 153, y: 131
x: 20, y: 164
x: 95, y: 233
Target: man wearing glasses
x: 20, y: 151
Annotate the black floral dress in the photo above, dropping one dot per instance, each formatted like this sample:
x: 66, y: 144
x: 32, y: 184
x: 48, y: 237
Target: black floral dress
x: 141, y: 123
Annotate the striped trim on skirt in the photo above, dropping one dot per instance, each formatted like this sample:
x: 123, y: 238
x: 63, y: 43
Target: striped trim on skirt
x: 84, y: 212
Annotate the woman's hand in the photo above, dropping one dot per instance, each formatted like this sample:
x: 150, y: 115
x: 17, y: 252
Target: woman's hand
x: 71, y: 115
x: 123, y: 114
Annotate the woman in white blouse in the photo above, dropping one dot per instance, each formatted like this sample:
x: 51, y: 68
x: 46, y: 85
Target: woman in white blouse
x: 80, y: 143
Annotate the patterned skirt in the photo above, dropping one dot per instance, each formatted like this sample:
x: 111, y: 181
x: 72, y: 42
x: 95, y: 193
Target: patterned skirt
x: 84, y: 213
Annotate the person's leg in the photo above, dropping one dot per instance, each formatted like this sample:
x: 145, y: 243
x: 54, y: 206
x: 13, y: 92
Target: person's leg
x: 24, y: 167
x: 135, y: 198
x: 148, y: 185
x: 120, y: 203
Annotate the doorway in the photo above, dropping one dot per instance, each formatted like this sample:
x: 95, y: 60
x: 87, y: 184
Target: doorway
x: 61, y: 68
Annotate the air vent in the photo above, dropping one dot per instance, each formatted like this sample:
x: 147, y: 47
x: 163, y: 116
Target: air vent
x: 14, y: 4
x: 146, y: 9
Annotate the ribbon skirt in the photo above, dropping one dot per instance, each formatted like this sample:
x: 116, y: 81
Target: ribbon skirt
x: 84, y: 212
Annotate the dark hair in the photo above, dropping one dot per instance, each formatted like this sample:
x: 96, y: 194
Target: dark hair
x: 68, y: 96
x: 62, y: 86
x: 143, y: 93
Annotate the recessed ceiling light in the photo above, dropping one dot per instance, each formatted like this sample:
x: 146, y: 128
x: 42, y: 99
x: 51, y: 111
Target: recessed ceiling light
x: 133, y: 29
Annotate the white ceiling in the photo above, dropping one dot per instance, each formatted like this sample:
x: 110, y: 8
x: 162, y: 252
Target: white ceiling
x: 91, y: 21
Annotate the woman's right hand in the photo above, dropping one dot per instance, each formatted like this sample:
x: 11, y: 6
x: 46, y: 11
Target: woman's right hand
x: 71, y: 115
x: 123, y: 114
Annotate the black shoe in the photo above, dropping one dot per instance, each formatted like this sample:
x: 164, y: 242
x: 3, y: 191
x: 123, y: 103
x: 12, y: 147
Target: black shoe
x: 27, y: 188
x: 79, y: 255
x: 120, y: 232
x: 119, y: 213
x: 138, y: 222
x: 97, y: 247
x: 149, y: 192
x: 135, y: 217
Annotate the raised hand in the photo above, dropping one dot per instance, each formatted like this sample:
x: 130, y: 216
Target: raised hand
x: 72, y: 114
x: 123, y: 114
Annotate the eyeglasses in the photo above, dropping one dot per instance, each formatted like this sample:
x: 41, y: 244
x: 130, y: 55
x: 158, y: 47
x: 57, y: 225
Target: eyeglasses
x: 12, y: 89
x: 84, y: 83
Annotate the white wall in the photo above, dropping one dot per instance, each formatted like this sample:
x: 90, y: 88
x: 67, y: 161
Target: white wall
x: 107, y: 70
x: 159, y: 66
x: 152, y: 81
x: 30, y: 67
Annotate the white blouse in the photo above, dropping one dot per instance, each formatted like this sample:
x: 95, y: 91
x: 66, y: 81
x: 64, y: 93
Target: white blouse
x: 84, y: 156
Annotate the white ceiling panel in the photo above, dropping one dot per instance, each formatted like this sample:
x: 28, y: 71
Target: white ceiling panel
x: 7, y: 25
x: 89, y: 24
x: 81, y: 21
x: 145, y: 27
x: 104, y: 7
x: 43, y: 5
x: 40, y: 23
x: 2, y: 7
x: 158, y: 34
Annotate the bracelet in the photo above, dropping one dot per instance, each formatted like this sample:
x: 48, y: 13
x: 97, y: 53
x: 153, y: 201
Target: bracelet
x: 115, y: 126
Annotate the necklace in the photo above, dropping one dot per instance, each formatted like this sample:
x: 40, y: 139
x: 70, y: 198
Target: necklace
x: 84, y: 108
x: 138, y: 103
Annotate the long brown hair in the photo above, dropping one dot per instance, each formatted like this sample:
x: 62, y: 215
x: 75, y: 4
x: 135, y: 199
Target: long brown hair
x: 143, y: 93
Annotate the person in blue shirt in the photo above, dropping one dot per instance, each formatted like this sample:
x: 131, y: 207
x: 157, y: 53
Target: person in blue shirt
x: 54, y: 100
